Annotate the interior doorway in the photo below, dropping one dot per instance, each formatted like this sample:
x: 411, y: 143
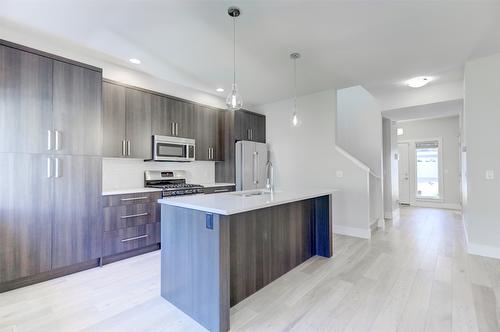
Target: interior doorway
x: 404, y: 173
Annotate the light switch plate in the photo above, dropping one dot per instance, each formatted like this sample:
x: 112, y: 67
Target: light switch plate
x: 340, y: 174
x: 490, y: 174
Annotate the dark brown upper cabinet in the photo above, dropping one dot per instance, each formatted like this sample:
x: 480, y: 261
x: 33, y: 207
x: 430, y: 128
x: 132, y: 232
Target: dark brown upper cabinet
x: 77, y: 110
x: 113, y: 96
x: 208, y: 134
x: 25, y: 101
x: 138, y: 123
x: 249, y: 126
x: 172, y: 117
x: 126, y: 121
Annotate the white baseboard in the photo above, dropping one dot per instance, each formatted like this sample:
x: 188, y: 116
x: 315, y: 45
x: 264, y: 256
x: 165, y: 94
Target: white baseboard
x: 482, y: 250
x: 352, y: 231
x: 437, y: 205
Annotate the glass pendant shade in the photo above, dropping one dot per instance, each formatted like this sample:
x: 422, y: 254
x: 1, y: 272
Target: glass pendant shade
x: 234, y: 101
x: 295, y: 120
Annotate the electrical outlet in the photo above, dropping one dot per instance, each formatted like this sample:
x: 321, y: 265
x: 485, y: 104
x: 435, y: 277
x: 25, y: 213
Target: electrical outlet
x: 340, y: 174
x: 209, y: 221
x: 490, y: 174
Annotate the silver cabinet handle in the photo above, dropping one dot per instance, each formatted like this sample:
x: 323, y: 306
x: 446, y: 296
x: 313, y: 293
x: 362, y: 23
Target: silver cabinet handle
x: 172, y: 128
x: 58, y: 168
x: 248, y: 133
x: 176, y: 129
x: 123, y: 148
x: 134, y: 198
x: 128, y: 148
x: 49, y: 140
x: 251, y: 134
x: 135, y: 238
x: 49, y: 167
x: 58, y: 139
x: 208, y: 153
x: 220, y: 190
x: 212, y: 151
x: 134, y: 215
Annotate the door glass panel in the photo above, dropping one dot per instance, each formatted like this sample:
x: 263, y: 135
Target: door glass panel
x: 427, y: 156
x: 170, y: 150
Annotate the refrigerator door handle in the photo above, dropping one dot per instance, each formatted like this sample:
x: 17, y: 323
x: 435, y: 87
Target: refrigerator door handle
x: 254, y: 167
x: 257, y: 167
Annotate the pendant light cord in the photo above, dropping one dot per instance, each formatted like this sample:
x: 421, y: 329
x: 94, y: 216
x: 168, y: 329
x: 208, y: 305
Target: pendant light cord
x: 295, y: 85
x: 234, y: 50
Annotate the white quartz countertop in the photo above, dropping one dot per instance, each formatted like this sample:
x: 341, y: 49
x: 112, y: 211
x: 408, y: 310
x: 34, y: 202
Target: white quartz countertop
x: 216, y: 184
x: 234, y: 202
x: 129, y: 191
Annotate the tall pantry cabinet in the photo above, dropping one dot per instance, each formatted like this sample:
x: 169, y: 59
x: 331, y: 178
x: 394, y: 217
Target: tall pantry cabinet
x: 50, y: 164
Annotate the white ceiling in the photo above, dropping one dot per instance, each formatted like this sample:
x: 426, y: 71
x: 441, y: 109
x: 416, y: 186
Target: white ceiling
x: 377, y: 44
x: 427, y: 111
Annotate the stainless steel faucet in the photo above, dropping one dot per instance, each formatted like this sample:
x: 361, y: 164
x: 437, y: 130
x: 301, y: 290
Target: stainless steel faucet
x: 270, y: 176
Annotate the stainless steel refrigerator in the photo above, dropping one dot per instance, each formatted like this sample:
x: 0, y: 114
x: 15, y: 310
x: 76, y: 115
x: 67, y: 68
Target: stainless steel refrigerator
x: 251, y: 160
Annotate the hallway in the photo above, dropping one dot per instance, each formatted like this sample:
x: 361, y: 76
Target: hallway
x: 414, y: 276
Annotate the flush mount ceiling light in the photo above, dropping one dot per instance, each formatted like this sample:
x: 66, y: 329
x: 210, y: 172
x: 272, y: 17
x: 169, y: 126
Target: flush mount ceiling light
x: 135, y: 61
x: 418, y: 82
x: 295, y: 117
x: 234, y: 101
x: 219, y: 90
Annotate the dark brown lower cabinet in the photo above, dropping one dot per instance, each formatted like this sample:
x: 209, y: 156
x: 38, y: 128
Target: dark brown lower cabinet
x: 25, y: 215
x: 130, y: 222
x: 77, y: 200
x: 131, y: 238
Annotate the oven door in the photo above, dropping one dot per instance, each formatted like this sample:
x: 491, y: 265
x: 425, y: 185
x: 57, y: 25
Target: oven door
x: 167, y: 151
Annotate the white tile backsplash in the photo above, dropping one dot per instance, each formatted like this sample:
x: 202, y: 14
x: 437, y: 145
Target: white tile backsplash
x: 121, y: 173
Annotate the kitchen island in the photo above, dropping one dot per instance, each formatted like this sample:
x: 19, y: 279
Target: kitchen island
x: 219, y: 249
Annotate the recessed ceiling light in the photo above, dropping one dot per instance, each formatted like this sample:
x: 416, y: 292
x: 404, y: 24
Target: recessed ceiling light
x: 418, y: 82
x: 135, y: 61
x: 219, y: 90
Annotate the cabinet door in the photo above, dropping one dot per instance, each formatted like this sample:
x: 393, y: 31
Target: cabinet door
x: 26, y: 198
x: 162, y: 119
x: 77, y: 110
x: 25, y: 101
x: 183, y: 115
x: 138, y: 123
x: 241, y: 126
x: 113, y: 120
x: 77, y: 231
x: 205, y: 132
x: 258, y: 128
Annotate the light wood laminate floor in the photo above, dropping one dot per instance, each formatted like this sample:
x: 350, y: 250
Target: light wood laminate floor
x: 414, y: 276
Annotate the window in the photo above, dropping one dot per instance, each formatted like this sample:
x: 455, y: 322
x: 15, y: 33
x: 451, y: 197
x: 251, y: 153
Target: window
x: 428, y: 169
x: 400, y: 131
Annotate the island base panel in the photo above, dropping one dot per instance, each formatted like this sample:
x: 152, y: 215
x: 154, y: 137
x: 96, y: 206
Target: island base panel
x: 211, y: 262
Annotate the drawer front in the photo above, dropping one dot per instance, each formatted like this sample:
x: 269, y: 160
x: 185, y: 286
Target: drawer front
x: 124, y: 216
x: 129, y: 199
x: 215, y: 190
x: 130, y: 238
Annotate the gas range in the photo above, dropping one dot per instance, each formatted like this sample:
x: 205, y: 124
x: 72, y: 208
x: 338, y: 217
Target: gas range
x: 172, y: 183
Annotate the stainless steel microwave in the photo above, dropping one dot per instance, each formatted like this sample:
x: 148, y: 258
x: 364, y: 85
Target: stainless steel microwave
x: 169, y: 148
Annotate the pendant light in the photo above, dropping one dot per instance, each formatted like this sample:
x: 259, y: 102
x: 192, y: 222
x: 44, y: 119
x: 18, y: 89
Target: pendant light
x: 234, y: 101
x: 295, y: 117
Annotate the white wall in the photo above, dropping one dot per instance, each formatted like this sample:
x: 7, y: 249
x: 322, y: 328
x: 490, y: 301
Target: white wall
x: 306, y: 157
x: 359, y: 126
x: 432, y: 93
x: 391, y: 183
x: 124, y: 173
x: 481, y: 123
x: 448, y: 129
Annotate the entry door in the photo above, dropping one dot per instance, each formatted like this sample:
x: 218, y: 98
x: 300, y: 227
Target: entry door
x: 404, y: 175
